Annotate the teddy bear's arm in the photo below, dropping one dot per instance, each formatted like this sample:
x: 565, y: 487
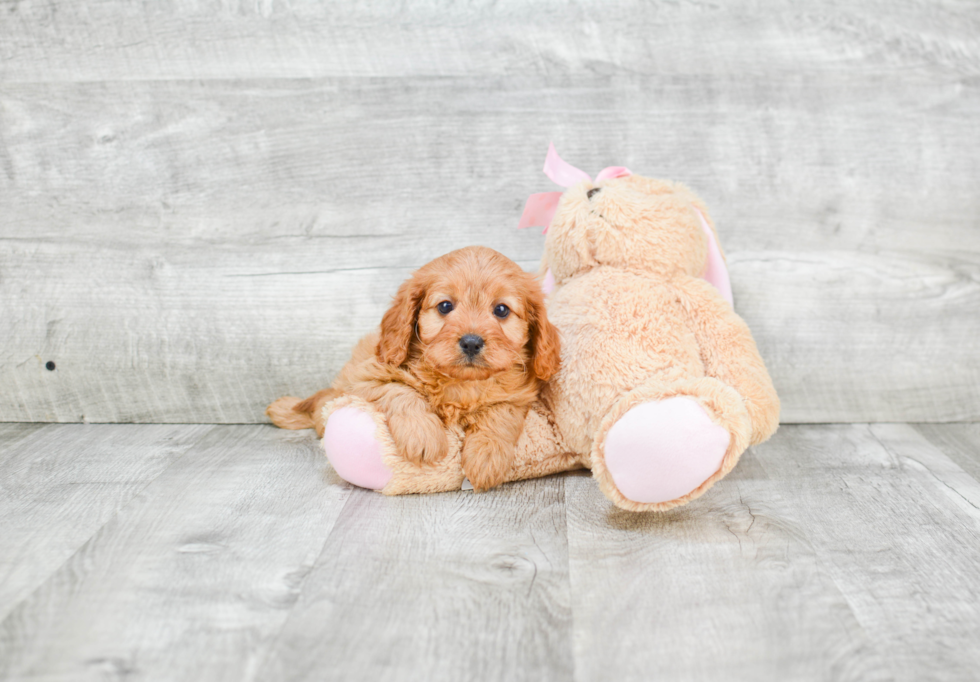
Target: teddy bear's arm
x: 541, y: 450
x: 417, y: 431
x: 729, y: 354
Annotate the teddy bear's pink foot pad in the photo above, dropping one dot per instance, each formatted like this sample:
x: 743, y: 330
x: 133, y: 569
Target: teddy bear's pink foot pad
x: 660, y: 451
x: 353, y: 450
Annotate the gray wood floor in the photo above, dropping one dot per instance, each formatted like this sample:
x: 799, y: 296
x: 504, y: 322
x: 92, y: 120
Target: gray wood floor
x: 833, y: 552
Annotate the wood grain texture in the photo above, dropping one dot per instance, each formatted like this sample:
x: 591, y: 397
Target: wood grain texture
x: 60, y: 484
x: 959, y: 442
x: 894, y: 524
x: 727, y: 588
x: 934, y: 468
x: 832, y: 552
x: 156, y: 158
x: 862, y: 159
x: 13, y: 434
x: 302, y: 39
x: 852, y: 337
x: 455, y: 586
x: 194, y: 577
x: 183, y: 334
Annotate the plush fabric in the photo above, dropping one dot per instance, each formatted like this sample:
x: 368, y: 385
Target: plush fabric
x: 353, y: 446
x: 648, y: 469
x: 639, y: 326
x: 540, y: 451
x: 715, y: 272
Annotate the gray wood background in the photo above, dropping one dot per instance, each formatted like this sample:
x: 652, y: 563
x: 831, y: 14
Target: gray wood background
x: 203, y: 204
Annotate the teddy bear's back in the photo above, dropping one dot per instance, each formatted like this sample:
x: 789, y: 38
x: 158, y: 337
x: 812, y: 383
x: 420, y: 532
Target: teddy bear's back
x: 619, y: 330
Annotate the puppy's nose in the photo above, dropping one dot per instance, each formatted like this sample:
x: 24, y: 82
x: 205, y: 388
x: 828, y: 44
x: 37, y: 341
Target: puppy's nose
x: 471, y: 345
x: 592, y: 191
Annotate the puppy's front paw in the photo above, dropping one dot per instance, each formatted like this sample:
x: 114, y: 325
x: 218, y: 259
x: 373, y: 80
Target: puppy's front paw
x: 419, y: 439
x: 486, y: 461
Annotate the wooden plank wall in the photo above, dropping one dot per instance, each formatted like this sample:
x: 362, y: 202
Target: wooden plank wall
x: 202, y: 205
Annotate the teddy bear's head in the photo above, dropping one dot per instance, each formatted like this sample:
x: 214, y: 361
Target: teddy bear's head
x: 631, y: 222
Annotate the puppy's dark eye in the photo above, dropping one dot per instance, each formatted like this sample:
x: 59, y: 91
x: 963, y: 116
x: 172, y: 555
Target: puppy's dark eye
x: 445, y: 307
x: 501, y: 311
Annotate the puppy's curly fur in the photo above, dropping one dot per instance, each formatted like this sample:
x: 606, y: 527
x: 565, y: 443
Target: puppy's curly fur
x: 422, y: 373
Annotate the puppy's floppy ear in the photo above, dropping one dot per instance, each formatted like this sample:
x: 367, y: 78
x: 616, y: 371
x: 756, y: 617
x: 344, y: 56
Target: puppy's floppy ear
x: 398, y: 324
x: 544, y: 340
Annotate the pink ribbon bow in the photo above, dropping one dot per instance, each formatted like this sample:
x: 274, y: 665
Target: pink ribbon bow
x: 540, y: 208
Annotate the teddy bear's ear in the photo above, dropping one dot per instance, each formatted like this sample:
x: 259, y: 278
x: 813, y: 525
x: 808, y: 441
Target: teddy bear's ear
x: 548, y: 282
x: 716, y: 272
x: 545, y: 275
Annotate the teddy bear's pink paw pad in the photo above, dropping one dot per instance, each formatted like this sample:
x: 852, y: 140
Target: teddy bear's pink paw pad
x: 353, y: 450
x: 660, y: 451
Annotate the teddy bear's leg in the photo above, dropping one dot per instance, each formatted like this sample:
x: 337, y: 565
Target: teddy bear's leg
x: 362, y: 451
x: 662, y: 450
x: 351, y: 443
x: 659, y: 447
x: 541, y: 451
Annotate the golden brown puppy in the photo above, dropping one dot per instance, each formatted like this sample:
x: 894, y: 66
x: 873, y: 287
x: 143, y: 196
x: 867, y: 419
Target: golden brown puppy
x: 466, y: 342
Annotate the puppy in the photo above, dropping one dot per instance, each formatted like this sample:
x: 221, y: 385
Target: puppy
x: 466, y: 342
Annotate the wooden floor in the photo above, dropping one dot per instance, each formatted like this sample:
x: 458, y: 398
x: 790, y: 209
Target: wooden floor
x: 176, y: 552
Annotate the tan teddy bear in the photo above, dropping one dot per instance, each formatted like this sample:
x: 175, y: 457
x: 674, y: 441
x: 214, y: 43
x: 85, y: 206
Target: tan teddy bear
x: 661, y: 387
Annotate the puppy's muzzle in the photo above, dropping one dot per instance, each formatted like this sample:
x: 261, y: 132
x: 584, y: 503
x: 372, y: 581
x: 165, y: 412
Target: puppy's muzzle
x: 471, y: 345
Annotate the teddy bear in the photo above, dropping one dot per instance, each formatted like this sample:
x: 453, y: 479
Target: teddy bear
x: 661, y: 387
